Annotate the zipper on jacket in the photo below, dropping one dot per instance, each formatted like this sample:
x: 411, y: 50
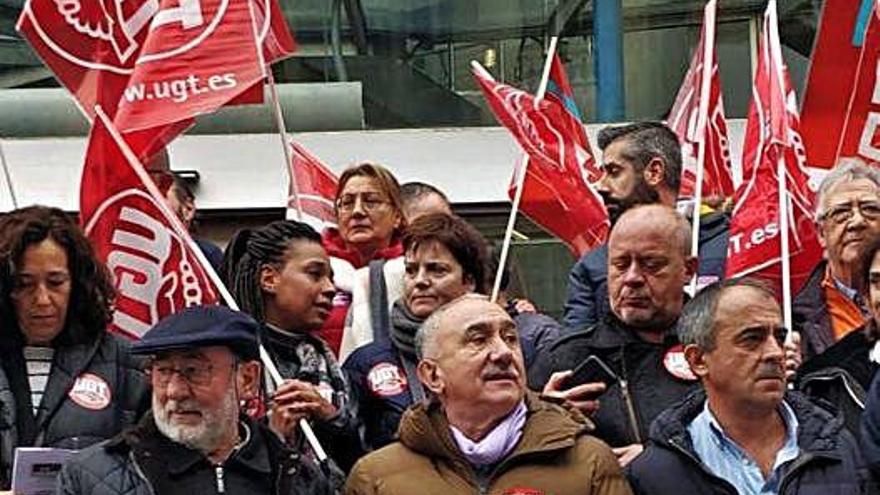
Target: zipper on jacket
x: 796, y: 466
x: 221, y: 484
x: 700, y: 464
x: 140, y: 472
x: 630, y: 410
x: 858, y: 396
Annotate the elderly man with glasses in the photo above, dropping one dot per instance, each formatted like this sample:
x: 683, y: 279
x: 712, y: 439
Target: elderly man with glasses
x: 829, y: 307
x: 203, y: 362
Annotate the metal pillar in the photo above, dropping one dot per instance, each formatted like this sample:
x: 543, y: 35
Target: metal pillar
x: 608, y: 33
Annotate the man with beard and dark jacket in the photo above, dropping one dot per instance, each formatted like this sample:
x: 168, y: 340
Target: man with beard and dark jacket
x: 195, y: 440
x: 829, y: 306
x: 641, y: 165
x: 648, y: 267
x: 743, y: 433
x: 482, y: 432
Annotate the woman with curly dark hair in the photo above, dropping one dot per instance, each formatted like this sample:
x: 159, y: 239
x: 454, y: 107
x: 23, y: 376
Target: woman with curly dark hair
x: 64, y: 381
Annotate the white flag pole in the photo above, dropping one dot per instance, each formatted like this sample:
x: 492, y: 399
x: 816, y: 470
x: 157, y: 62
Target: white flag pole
x: 702, y: 123
x: 517, y: 197
x: 282, y: 131
x: 8, y: 177
x: 182, y: 232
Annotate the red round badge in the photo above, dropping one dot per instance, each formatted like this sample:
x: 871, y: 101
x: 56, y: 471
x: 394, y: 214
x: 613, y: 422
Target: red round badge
x: 91, y: 392
x: 523, y: 491
x: 676, y: 364
x: 386, y: 380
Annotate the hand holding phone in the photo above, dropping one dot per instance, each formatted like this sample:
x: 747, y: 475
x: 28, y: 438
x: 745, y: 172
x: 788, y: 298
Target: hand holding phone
x: 591, y: 370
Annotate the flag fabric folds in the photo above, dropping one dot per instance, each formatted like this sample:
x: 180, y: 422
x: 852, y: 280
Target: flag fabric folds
x: 772, y: 135
x: 556, y: 190
x: 316, y: 187
x: 157, y: 269
x: 694, y: 130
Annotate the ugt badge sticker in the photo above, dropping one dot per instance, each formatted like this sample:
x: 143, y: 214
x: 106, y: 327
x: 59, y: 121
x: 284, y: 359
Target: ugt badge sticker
x: 386, y: 380
x: 676, y: 364
x: 91, y: 392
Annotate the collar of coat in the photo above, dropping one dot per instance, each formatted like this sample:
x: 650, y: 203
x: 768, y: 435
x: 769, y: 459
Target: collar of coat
x: 549, y: 427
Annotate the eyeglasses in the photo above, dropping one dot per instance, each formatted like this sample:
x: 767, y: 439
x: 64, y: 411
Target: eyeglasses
x: 870, y: 210
x: 195, y: 373
x: 370, y: 202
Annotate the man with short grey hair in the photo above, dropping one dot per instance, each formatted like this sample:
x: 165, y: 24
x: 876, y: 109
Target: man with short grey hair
x: 481, y: 431
x: 828, y: 306
x: 743, y: 433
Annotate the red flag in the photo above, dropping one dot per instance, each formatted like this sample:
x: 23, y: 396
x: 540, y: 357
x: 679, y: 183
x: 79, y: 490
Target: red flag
x: 559, y: 90
x: 698, y: 95
x: 772, y: 134
x: 155, y: 266
x: 317, y: 189
x: 196, y: 58
x: 838, y: 104
x: 556, y: 192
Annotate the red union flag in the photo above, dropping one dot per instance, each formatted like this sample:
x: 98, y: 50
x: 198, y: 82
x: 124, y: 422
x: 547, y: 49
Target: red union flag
x: 559, y: 90
x: 197, y: 57
x: 840, y: 92
x: 317, y: 189
x: 700, y: 94
x: 155, y: 268
x: 93, y: 47
x: 772, y: 135
x: 556, y: 191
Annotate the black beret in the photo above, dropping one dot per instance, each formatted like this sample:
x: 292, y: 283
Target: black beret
x: 202, y: 326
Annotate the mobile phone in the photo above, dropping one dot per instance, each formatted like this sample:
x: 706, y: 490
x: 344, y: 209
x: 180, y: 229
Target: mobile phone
x: 591, y: 370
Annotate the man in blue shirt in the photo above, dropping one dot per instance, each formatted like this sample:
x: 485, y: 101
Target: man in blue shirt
x: 744, y: 433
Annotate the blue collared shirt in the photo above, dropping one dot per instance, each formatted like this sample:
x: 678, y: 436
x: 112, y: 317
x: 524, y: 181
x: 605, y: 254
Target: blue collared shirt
x: 727, y: 460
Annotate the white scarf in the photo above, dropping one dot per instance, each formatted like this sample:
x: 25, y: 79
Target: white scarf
x: 497, y: 444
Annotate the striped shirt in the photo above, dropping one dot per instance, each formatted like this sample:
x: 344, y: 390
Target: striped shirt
x: 39, y: 365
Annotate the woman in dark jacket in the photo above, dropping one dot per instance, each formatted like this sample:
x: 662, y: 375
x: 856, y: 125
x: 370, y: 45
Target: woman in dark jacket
x: 445, y: 258
x: 64, y: 381
x: 281, y: 275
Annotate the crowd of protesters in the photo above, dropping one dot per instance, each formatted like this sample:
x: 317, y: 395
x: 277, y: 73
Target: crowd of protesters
x: 415, y: 381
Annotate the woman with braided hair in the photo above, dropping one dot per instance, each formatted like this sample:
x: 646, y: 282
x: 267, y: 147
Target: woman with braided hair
x: 281, y: 275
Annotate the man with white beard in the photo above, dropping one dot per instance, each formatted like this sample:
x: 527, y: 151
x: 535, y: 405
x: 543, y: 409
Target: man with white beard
x: 203, y: 362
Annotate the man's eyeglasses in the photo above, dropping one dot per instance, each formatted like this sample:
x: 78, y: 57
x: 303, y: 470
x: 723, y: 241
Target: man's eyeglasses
x: 870, y: 210
x: 195, y: 373
x: 370, y: 202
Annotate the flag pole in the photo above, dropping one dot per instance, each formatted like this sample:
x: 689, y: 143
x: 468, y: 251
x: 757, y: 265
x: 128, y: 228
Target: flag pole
x: 702, y: 122
x: 517, y: 197
x: 8, y: 177
x: 181, y: 231
x: 282, y: 131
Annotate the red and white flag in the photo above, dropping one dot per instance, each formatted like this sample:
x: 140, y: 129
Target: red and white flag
x: 841, y: 110
x: 156, y: 267
x: 772, y: 135
x: 316, y: 185
x: 556, y: 191
x: 697, y: 117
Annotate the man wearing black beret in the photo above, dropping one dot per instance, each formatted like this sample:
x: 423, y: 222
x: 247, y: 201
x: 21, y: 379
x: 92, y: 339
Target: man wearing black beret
x: 203, y: 363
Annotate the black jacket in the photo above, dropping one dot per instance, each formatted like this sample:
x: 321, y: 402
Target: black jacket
x: 587, y: 299
x: 841, y: 376
x: 810, y: 314
x: 829, y: 462
x: 67, y: 418
x: 640, y: 364
x: 142, y: 461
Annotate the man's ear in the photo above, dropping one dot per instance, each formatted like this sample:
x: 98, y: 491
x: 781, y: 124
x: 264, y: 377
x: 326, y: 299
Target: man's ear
x: 655, y: 172
x: 268, y: 278
x: 696, y: 358
x: 691, y: 264
x: 431, y: 376
x: 247, y: 379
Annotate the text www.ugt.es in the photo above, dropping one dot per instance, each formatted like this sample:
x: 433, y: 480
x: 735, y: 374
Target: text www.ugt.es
x: 179, y: 90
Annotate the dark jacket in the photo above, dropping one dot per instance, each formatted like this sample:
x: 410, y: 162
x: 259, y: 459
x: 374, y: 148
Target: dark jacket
x: 340, y: 436
x: 840, y: 376
x: 587, y: 299
x: 94, y: 391
x: 810, y: 315
x: 554, y: 456
x: 829, y: 462
x: 639, y: 364
x: 142, y: 461
x: 870, y: 428
x: 536, y: 331
x: 380, y: 386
